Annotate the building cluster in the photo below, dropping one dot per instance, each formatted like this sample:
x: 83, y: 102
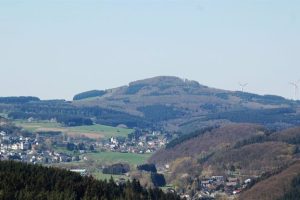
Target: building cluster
x: 52, y: 147
x: 27, y: 149
x: 214, y: 186
x: 147, y: 142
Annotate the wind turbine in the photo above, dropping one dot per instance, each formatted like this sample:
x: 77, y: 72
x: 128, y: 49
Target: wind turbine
x: 296, y: 87
x: 243, y: 85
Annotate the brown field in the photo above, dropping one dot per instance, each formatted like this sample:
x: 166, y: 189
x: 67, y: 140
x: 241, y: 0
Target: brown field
x: 89, y: 135
x: 97, y: 135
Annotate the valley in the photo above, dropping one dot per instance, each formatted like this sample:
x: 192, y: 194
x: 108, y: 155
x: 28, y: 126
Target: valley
x: 197, y: 141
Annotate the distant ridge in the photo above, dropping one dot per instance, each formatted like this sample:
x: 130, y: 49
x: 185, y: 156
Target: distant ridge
x: 185, y: 103
x: 89, y: 94
x: 16, y: 100
x: 165, y: 102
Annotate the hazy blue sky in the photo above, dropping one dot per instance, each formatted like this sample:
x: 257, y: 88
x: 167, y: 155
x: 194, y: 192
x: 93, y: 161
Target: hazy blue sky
x: 54, y: 49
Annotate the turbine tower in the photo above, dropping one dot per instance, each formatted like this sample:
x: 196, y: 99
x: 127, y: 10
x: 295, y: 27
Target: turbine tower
x: 243, y: 85
x: 296, y: 88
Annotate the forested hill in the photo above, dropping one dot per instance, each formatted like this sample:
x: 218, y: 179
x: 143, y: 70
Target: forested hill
x: 163, y: 102
x: 32, y: 182
x: 240, y: 150
x: 18, y: 100
x: 182, y: 103
x: 282, y: 186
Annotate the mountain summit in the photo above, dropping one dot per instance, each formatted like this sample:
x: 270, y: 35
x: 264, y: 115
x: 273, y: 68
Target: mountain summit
x: 177, y: 102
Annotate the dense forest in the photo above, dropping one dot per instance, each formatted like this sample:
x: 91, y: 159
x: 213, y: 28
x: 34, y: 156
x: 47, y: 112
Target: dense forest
x: 259, y: 116
x: 68, y: 114
x: 33, y: 182
x: 294, y: 192
x: 152, y: 115
x: 117, y: 169
x: 147, y: 168
x: 89, y: 94
x: 186, y: 137
x: 18, y: 100
x: 270, y: 99
x: 157, y: 113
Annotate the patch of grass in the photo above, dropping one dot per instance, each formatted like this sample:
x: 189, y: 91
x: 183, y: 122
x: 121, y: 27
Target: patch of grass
x: 96, y: 160
x: 107, y: 131
x: 93, y: 131
x: 101, y: 176
x: 114, y: 157
x: 167, y: 187
x: 35, y: 126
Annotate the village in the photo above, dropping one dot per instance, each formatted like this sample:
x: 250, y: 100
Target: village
x: 215, y: 187
x: 141, y: 141
x: 56, y: 147
x: 29, y: 149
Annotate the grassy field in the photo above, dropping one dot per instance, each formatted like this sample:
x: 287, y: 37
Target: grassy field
x: 165, y: 188
x: 114, y: 157
x: 36, y: 126
x: 93, y: 170
x: 96, y: 160
x: 101, y: 176
x: 107, y: 158
x: 95, y: 131
x: 107, y: 131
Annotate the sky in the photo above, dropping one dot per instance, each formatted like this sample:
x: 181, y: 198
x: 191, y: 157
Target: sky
x: 55, y: 49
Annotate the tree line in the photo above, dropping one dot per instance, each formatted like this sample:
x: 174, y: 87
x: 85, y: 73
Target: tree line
x: 18, y: 100
x: 185, y: 137
x: 70, y: 115
x: 294, y: 192
x: 89, y: 94
x: 34, y: 182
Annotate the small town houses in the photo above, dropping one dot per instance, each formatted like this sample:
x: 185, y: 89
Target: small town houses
x: 25, y: 149
x: 209, y: 188
x: 28, y: 149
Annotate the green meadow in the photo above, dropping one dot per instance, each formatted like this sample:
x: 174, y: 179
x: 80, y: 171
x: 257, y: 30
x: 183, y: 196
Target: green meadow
x: 115, y: 157
x: 94, y: 131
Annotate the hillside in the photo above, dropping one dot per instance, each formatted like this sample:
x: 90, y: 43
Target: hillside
x: 240, y: 150
x: 186, y: 105
x: 251, y: 160
x: 32, y: 182
x: 163, y: 102
x: 208, y: 142
x: 291, y: 136
x: 275, y: 187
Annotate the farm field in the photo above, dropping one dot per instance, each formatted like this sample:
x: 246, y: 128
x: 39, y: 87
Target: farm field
x: 96, y: 160
x: 101, y: 176
x: 106, y: 158
x: 93, y: 170
x: 114, y: 157
x: 96, y: 131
